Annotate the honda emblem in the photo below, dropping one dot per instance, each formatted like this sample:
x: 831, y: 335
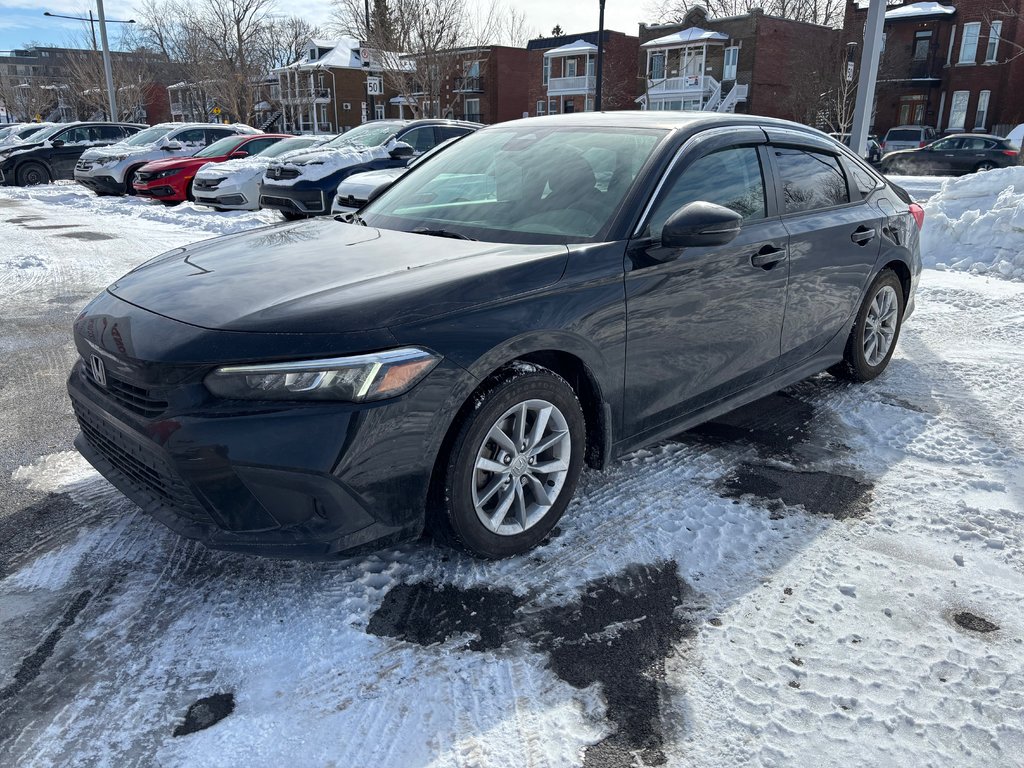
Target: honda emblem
x: 99, y: 373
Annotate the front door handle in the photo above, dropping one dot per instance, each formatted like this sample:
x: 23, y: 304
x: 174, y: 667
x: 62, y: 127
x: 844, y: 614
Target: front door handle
x: 863, y: 235
x: 768, y: 257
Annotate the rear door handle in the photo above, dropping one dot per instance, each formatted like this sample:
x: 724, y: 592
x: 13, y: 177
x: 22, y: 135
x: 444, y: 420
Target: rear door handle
x: 768, y: 257
x: 863, y: 235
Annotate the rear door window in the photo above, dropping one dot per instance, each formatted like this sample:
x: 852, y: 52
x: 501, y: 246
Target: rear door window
x: 194, y: 137
x: 445, y: 132
x: 106, y: 133
x: 730, y: 177
x: 215, y: 134
x: 420, y: 139
x: 809, y: 179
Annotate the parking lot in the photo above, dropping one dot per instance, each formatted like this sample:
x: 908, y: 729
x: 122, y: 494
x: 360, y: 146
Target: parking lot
x: 832, y: 576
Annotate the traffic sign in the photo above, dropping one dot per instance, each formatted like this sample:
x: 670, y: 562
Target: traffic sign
x: 374, y: 86
x: 216, y: 110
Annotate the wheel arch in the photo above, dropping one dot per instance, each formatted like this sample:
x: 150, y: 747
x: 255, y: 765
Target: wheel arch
x: 903, y: 273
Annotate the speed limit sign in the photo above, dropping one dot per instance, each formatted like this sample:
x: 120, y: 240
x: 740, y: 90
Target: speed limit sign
x: 374, y: 86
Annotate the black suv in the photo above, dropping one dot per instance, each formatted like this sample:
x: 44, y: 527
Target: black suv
x: 957, y: 154
x: 304, y: 184
x: 52, y: 154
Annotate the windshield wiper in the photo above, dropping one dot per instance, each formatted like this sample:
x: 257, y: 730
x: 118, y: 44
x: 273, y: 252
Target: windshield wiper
x: 350, y: 218
x: 440, y: 233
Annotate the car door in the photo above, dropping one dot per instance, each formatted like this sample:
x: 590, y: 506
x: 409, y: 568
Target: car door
x: 939, y: 156
x: 705, y: 322
x: 974, y: 150
x: 73, y: 142
x: 834, y: 240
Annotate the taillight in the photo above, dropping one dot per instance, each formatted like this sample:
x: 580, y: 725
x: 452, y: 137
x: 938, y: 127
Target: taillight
x: 918, y: 213
x: 921, y: 144
x: 1010, y: 152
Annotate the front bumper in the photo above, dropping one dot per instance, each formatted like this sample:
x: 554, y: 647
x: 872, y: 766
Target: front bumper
x: 274, y: 479
x: 103, y: 184
x: 170, y: 189
x: 228, y: 196
x: 295, y: 199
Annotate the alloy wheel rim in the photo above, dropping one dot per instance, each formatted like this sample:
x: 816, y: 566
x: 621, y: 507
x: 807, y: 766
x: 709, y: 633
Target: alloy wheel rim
x: 880, y: 325
x: 521, y: 467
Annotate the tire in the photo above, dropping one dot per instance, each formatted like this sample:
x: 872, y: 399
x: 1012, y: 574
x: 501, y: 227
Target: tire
x: 32, y: 174
x: 289, y: 216
x: 129, y: 176
x: 986, y: 166
x: 506, y: 491
x: 861, y: 360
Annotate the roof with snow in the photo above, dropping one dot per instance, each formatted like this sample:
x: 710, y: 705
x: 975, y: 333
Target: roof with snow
x: 343, y: 53
x: 689, y: 35
x: 578, y: 46
x: 917, y: 10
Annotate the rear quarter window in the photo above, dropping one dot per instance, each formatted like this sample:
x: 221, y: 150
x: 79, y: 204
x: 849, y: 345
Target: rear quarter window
x: 904, y: 135
x: 809, y: 179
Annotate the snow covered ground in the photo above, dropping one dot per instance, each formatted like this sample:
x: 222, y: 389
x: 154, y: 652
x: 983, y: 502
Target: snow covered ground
x: 831, y: 577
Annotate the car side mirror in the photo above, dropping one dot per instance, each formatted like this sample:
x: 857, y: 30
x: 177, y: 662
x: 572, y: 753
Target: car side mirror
x: 700, y: 224
x: 171, y: 146
x: 401, y: 151
x: 57, y: 143
x: 238, y: 153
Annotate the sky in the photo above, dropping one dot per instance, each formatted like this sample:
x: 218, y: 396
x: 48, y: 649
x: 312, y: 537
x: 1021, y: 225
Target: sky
x: 22, y: 21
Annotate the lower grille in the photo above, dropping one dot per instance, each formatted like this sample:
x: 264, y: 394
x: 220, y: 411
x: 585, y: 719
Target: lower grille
x: 143, y: 468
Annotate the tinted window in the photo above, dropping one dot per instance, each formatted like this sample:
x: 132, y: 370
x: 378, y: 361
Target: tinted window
x: 78, y: 135
x: 863, y: 180
x: 904, y: 135
x: 976, y: 144
x: 212, y: 134
x: 421, y: 139
x: 731, y: 177
x: 946, y: 145
x: 445, y: 132
x: 256, y: 146
x: 810, y: 180
x: 193, y: 136
x: 106, y: 132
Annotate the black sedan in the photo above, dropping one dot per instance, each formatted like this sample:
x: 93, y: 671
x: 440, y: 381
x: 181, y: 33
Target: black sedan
x: 957, y: 154
x: 452, y: 363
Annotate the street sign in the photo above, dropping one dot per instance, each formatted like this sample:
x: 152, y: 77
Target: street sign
x: 849, y: 71
x: 216, y: 110
x: 374, y: 86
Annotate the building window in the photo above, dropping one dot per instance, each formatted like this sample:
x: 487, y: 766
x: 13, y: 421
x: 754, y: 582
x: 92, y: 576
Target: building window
x: 993, y: 42
x: 552, y: 106
x: 378, y: 111
x: 473, y: 110
x: 546, y: 72
x: 958, y: 110
x: 473, y: 70
x: 922, y: 42
x: 969, y: 44
x: 542, y: 108
x: 949, y: 51
x: 982, y: 114
x: 732, y: 56
x: 570, y: 67
x: 590, y: 66
x: 658, y: 66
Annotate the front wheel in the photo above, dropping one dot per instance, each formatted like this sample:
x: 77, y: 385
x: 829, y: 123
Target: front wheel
x: 875, y: 332
x: 32, y: 174
x: 514, y: 464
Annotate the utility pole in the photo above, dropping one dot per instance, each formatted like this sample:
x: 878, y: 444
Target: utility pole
x: 868, y: 76
x: 111, y: 96
x: 600, y: 56
x: 371, y: 112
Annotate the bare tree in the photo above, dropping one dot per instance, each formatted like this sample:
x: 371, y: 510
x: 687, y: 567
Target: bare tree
x: 827, y: 12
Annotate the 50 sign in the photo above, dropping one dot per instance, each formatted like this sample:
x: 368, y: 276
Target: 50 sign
x: 374, y: 86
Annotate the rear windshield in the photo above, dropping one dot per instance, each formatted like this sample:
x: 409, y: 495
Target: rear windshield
x: 904, y: 135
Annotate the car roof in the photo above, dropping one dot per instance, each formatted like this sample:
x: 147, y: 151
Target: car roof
x: 441, y: 121
x: 911, y: 128
x: 973, y: 136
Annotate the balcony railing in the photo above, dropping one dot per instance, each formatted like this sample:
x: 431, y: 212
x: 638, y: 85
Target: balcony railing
x: 688, y: 84
x: 307, y: 96
x: 571, y: 84
x: 469, y: 84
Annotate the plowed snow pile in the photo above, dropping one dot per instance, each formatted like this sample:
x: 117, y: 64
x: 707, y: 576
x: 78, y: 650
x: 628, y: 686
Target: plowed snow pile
x: 975, y: 223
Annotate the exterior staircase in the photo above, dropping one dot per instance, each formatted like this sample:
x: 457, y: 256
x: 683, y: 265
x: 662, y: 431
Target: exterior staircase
x: 737, y: 94
x: 269, y: 120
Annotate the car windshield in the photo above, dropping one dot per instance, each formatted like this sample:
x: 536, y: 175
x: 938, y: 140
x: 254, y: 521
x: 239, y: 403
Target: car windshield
x: 520, y: 185
x: 368, y: 135
x: 289, y: 145
x: 42, y: 133
x: 903, y: 135
x: 147, y: 136
x: 221, y: 147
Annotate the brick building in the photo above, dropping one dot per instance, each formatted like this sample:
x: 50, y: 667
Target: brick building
x: 955, y: 66
x: 489, y: 84
x: 563, y: 73
x: 752, y: 63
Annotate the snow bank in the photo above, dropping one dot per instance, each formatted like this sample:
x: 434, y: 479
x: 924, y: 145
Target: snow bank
x: 975, y: 223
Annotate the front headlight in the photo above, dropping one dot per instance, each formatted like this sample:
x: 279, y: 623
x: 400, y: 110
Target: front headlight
x: 355, y: 379
x: 165, y: 174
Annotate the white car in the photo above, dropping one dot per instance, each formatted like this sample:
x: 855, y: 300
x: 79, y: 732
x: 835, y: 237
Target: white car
x: 110, y: 170
x: 235, y: 184
x: 355, y: 191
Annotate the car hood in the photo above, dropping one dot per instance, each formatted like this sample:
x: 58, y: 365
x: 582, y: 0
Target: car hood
x: 239, y: 169
x: 12, y: 149
x: 322, y: 276
x: 117, y: 149
x: 320, y: 163
x: 172, y: 163
x: 359, y: 185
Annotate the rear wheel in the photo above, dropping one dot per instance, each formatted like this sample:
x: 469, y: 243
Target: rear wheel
x: 31, y: 174
x: 875, y: 332
x: 986, y: 166
x: 513, y: 465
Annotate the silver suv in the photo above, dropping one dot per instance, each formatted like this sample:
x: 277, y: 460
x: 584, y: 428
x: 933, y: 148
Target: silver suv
x: 908, y: 137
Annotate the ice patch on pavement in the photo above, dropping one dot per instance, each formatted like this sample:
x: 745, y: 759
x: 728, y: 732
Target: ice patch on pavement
x: 55, y: 471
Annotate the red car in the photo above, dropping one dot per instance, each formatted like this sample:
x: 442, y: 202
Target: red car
x: 170, y: 180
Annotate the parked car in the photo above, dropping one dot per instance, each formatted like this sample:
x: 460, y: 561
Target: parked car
x: 957, y: 154
x: 51, y: 153
x: 235, y: 184
x: 18, y: 132
x: 908, y: 137
x: 314, y: 387
x: 305, y: 184
x: 170, y: 180
x: 874, y: 150
x: 111, y: 170
x: 354, y: 191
